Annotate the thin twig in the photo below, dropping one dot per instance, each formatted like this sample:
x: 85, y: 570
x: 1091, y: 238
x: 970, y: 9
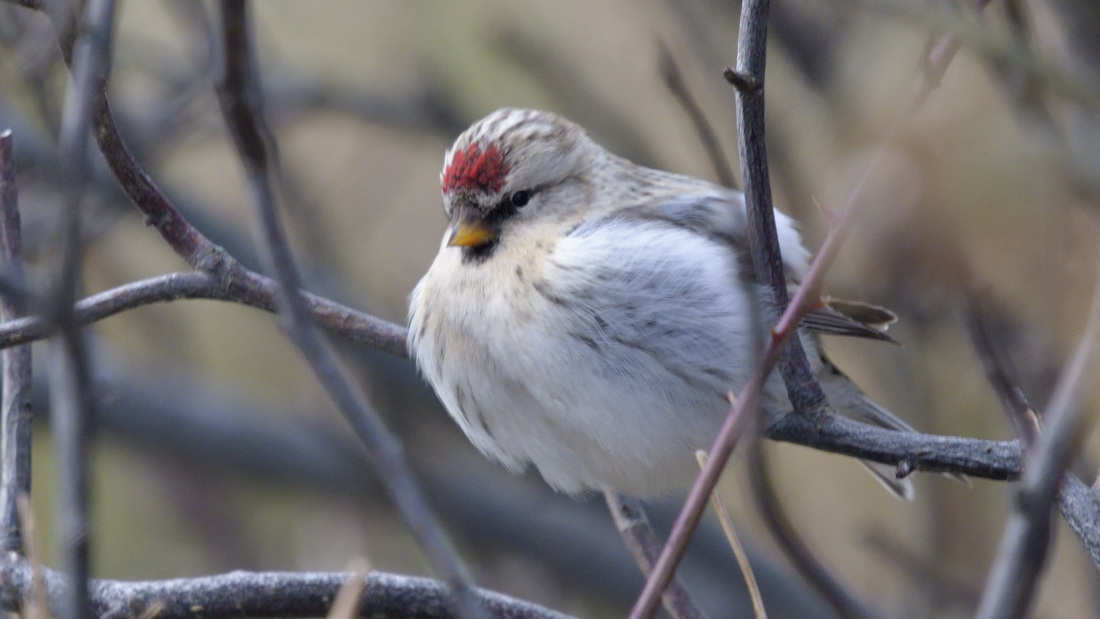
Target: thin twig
x: 191, y: 244
x: 980, y: 313
x: 70, y: 399
x: 238, y: 93
x: 1079, y: 86
x: 247, y: 288
x: 675, y: 83
x: 794, y: 547
x: 685, y: 524
x: 36, y: 600
x: 726, y: 521
x: 15, y: 414
x: 642, y: 542
x: 1022, y: 554
x: 187, y: 241
x: 915, y: 451
x: 350, y: 596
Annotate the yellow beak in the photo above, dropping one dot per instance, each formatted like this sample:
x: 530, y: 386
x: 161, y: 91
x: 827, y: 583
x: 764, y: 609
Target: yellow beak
x: 471, y: 234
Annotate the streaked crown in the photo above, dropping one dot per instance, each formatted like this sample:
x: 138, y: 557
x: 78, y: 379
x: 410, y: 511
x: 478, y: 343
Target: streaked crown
x: 509, y: 150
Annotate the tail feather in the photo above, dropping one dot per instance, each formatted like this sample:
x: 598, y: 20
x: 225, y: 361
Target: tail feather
x: 887, y: 476
x: 850, y: 401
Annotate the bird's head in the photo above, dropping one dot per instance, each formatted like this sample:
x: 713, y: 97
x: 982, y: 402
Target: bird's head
x: 507, y: 168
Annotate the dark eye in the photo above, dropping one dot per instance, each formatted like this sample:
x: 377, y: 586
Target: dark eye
x: 521, y: 198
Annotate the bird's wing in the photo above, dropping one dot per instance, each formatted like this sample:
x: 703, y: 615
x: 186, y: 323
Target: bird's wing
x: 850, y: 318
x: 718, y: 212
x: 849, y: 400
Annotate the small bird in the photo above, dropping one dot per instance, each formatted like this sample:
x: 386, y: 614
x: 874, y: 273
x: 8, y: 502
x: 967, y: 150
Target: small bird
x: 588, y: 316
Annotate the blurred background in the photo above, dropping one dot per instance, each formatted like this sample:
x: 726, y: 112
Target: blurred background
x: 217, y: 450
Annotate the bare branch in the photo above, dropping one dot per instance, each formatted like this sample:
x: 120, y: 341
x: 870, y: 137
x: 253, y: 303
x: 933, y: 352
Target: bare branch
x: 70, y: 376
x: 238, y: 93
x: 1080, y: 506
x: 15, y: 415
x: 1010, y: 588
x: 688, y: 520
x: 998, y: 369
x: 263, y: 594
x: 912, y: 451
x: 805, y: 393
x: 245, y: 288
x: 644, y: 545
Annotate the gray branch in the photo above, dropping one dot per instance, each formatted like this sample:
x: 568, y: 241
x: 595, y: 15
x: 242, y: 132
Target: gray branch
x: 257, y: 594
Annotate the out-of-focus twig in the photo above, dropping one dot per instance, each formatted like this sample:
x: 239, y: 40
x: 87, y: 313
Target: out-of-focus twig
x: 1022, y: 554
x: 945, y: 589
x: 998, y: 370
x: 36, y: 601
x: 642, y: 542
x: 1077, y: 86
x: 350, y: 596
x: 238, y: 93
x: 726, y: 521
x: 674, y: 80
x: 1080, y: 506
x: 70, y: 396
x: 15, y: 417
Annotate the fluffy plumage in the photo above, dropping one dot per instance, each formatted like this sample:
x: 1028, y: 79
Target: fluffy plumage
x: 588, y: 316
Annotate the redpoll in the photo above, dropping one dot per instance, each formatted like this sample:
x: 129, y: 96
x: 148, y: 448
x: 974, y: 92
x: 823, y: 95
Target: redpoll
x: 589, y: 316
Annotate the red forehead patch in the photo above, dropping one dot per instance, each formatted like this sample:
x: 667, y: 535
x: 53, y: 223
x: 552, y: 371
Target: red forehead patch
x: 476, y: 169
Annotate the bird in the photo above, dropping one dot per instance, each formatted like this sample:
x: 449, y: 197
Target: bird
x: 589, y: 316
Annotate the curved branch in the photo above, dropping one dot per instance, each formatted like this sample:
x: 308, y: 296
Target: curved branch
x: 246, y: 288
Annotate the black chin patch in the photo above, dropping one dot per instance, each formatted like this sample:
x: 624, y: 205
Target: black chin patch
x: 479, y: 253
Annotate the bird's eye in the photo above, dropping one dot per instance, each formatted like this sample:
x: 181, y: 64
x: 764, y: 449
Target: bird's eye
x: 521, y: 198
